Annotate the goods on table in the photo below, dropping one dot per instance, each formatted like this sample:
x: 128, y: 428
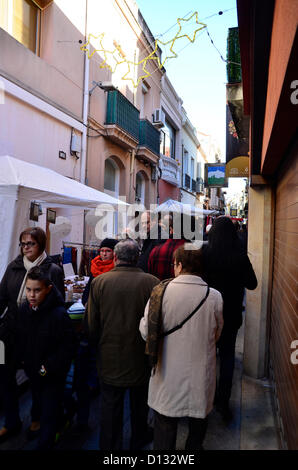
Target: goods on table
x: 74, y: 287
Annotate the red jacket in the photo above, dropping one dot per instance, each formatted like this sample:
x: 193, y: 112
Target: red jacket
x: 161, y: 261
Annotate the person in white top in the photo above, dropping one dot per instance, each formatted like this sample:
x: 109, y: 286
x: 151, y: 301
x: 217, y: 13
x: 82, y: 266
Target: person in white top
x: 184, y: 380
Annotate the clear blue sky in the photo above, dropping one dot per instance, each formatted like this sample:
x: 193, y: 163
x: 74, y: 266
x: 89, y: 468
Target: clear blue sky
x: 198, y: 74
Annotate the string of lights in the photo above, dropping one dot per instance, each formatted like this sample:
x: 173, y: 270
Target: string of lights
x: 116, y: 54
x: 224, y: 60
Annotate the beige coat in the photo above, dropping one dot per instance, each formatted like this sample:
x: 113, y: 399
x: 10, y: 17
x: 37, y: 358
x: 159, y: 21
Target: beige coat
x: 185, y: 378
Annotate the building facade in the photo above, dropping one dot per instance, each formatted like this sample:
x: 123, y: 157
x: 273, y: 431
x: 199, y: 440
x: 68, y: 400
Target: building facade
x: 42, y: 106
x: 192, y: 167
x: 57, y: 113
x: 170, y: 143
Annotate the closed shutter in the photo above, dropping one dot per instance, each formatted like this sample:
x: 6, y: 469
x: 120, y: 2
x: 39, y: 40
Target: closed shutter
x: 284, y: 311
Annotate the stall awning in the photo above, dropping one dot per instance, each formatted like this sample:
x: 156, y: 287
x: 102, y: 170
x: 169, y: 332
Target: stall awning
x: 41, y: 184
x: 178, y: 207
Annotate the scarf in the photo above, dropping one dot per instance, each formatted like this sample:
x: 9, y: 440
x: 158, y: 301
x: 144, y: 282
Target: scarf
x: 28, y: 265
x: 98, y: 266
x: 155, y: 322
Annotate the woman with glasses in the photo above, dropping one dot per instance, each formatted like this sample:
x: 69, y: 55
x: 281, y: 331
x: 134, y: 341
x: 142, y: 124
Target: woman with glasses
x: 103, y: 263
x: 12, y: 295
x: 181, y: 324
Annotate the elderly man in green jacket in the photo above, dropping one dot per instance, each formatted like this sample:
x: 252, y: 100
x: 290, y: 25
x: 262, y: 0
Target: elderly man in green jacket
x: 116, y: 304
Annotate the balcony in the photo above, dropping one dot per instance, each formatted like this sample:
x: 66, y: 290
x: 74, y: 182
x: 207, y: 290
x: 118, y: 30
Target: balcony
x: 149, y: 142
x: 170, y: 171
x: 122, y: 120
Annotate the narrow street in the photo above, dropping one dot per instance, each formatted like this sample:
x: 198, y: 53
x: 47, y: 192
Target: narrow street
x: 149, y: 144
x: 252, y: 427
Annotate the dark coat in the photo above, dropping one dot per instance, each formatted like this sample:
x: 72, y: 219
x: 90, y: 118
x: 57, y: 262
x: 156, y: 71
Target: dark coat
x: 148, y: 246
x: 87, y: 290
x: 46, y: 337
x: 230, y: 282
x: 9, y: 291
x: 116, y: 305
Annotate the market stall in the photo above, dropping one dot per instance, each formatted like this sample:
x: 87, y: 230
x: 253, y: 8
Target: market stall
x: 21, y: 183
x: 178, y: 207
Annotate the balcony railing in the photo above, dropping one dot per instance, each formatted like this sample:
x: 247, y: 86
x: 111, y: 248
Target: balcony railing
x: 121, y: 112
x: 149, y: 136
x: 187, y: 181
x: 169, y: 170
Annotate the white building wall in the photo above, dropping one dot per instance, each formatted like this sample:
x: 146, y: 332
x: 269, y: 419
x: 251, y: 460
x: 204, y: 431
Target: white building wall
x: 190, y: 144
x: 36, y: 137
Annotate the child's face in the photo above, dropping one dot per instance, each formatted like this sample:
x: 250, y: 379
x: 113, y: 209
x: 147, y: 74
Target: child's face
x: 36, y: 292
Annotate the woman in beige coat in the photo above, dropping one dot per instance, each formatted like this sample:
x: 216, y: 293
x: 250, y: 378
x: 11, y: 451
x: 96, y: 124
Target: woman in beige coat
x: 184, y: 380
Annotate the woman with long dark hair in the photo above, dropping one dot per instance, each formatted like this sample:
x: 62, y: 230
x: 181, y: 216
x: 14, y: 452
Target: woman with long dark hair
x: 227, y: 269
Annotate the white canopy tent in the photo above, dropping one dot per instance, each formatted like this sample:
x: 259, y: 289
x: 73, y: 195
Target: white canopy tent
x: 22, y: 182
x: 191, y: 229
x: 178, y: 207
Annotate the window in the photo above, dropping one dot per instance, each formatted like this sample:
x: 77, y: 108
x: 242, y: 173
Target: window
x: 111, y: 187
x: 144, y: 95
x: 110, y: 176
x: 140, y: 188
x: 199, y: 170
x: 21, y: 18
x: 186, y: 178
x: 192, y: 168
x: 185, y: 162
x: 167, y: 145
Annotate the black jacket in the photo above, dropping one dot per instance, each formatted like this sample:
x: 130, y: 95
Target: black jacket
x: 9, y: 291
x: 148, y: 246
x: 46, y: 337
x: 230, y: 281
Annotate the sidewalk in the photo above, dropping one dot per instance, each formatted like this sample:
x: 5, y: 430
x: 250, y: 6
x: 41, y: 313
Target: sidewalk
x: 253, y: 426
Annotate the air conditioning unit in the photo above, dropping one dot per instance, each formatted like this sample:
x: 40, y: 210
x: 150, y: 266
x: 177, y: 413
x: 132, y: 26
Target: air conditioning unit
x: 75, y: 144
x: 159, y: 118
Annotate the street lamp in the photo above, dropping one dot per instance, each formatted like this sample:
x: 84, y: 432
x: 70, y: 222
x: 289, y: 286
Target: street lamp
x: 106, y: 86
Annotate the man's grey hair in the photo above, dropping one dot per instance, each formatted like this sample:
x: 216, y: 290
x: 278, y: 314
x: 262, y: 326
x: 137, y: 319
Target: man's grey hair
x: 127, y: 251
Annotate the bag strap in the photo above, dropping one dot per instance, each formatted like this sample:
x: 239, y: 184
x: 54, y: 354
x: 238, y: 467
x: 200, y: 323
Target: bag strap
x: 180, y: 325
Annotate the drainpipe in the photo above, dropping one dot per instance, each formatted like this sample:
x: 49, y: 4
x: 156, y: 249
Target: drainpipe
x: 85, y: 104
x: 131, y: 179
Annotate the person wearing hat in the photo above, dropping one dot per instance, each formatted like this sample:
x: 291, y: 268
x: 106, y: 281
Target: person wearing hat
x: 101, y: 264
x: 86, y: 379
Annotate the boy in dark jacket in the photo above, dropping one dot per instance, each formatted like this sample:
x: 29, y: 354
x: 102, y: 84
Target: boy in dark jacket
x: 47, y: 344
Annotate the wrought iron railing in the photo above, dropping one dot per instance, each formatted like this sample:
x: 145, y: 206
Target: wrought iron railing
x: 149, y: 136
x: 122, y: 112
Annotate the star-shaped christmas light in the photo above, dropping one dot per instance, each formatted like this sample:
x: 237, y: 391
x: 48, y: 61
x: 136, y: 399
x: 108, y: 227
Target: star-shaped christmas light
x: 153, y: 56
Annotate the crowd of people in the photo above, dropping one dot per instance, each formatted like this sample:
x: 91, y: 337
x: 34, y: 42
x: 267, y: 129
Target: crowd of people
x: 155, y: 317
